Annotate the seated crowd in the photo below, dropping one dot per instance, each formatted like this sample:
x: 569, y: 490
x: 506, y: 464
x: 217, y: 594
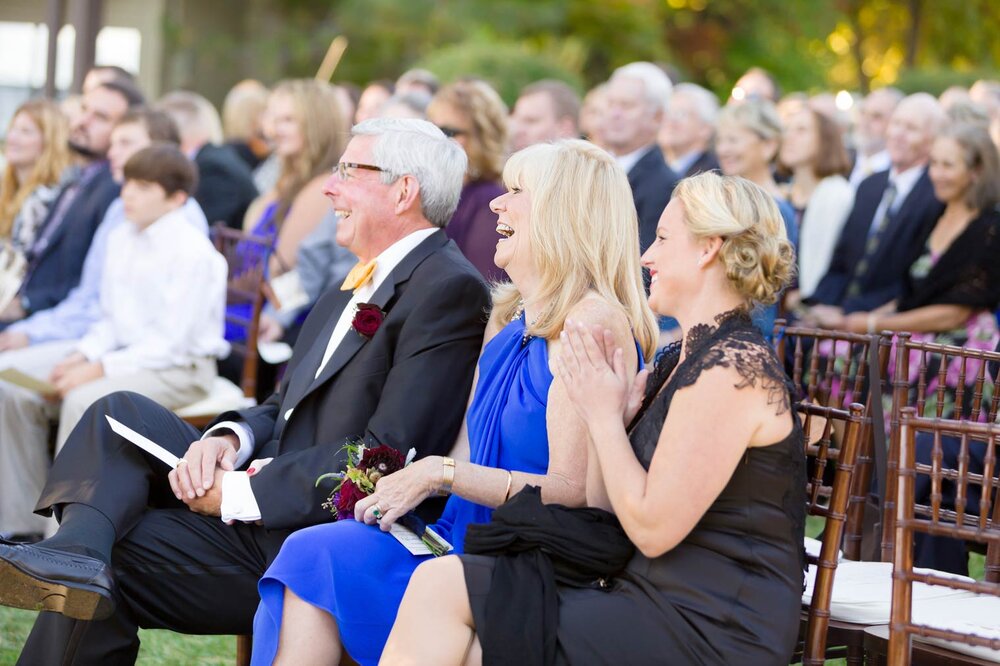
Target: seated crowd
x: 544, y: 306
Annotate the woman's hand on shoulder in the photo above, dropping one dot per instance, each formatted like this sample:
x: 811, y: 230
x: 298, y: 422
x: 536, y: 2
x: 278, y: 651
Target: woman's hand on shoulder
x: 596, y: 363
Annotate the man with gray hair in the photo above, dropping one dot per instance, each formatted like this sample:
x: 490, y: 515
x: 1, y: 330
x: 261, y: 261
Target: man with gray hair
x: 893, y: 213
x: 225, y: 184
x: 688, y: 130
x: 389, y: 359
x: 636, y: 99
x: 874, y: 113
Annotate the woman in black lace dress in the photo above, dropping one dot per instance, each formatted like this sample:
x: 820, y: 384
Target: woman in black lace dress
x: 707, y: 481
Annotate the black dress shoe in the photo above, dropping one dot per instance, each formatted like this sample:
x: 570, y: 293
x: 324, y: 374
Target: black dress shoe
x: 47, y: 579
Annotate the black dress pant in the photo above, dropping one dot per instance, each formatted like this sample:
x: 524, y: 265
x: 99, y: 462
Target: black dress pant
x: 175, y: 569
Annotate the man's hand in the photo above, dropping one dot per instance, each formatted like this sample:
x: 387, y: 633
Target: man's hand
x: 13, y: 340
x: 77, y: 375
x: 198, y: 471
x: 270, y: 330
x: 65, y: 365
x: 209, y: 502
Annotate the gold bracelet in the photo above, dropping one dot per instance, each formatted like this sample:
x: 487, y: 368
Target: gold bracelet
x: 447, y: 476
x: 510, y: 480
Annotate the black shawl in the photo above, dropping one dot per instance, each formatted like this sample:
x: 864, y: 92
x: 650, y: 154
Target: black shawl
x: 968, y: 273
x: 537, y: 546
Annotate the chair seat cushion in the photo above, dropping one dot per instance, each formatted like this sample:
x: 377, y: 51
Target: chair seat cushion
x: 974, y: 614
x: 224, y: 396
x: 814, y: 546
x: 862, y: 591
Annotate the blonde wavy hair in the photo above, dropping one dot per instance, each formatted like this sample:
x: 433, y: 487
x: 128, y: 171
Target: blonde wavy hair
x: 48, y: 169
x: 320, y: 120
x: 756, y: 254
x: 584, y: 236
x: 487, y: 115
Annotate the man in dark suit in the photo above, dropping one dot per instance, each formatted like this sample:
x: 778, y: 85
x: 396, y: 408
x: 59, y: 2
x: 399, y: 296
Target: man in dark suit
x: 401, y: 379
x: 688, y: 130
x: 636, y: 98
x: 225, y: 184
x: 893, y: 213
x: 55, y: 261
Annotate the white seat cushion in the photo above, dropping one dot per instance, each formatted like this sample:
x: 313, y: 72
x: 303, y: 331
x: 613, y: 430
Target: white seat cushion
x: 814, y: 546
x: 224, y: 396
x: 862, y: 591
x: 977, y: 614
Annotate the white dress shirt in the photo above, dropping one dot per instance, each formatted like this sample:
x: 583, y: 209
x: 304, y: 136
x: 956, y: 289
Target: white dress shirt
x: 238, y: 501
x: 904, y: 183
x: 629, y: 160
x: 163, y: 299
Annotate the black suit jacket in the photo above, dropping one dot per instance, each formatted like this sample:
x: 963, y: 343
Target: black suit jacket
x: 225, y: 185
x: 652, y: 183
x: 707, y: 161
x: 902, y: 239
x: 58, y: 266
x: 406, y: 387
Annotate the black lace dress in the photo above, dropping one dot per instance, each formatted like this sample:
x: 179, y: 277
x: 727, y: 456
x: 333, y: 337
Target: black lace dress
x: 730, y: 592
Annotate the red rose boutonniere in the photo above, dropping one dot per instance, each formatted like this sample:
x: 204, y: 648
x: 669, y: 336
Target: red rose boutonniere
x: 367, y: 319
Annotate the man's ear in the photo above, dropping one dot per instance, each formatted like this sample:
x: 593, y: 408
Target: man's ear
x: 178, y: 198
x: 709, y: 250
x: 407, y: 193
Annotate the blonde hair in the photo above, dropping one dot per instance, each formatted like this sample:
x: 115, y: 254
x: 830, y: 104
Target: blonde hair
x: 584, y: 235
x: 756, y: 254
x: 49, y: 167
x: 757, y: 115
x: 320, y: 119
x: 487, y: 115
x: 242, y: 109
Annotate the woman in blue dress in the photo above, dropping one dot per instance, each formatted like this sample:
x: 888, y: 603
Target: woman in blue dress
x: 567, y: 237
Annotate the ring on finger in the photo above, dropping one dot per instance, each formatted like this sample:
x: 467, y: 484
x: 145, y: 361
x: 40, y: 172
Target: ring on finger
x: 377, y: 512
x: 180, y: 462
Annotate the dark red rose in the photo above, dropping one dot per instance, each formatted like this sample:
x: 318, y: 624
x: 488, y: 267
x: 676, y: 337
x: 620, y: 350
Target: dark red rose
x: 382, y: 460
x: 367, y: 319
x: 346, y: 498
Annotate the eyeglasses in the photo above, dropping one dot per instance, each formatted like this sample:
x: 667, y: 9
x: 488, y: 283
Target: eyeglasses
x: 451, y: 132
x: 342, y: 168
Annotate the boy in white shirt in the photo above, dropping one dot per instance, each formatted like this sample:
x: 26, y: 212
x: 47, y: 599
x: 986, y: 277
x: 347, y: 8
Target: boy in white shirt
x: 163, y: 296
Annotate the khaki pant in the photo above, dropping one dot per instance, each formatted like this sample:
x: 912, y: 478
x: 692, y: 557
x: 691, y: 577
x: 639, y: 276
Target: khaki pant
x: 26, y: 420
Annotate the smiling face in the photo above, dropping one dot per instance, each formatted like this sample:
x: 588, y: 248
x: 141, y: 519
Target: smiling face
x: 363, y: 203
x: 284, y: 125
x: 631, y: 121
x: 514, y: 252
x: 126, y: 141
x: 800, y: 141
x: 741, y: 151
x: 910, y: 134
x: 533, y: 121
x: 24, y: 143
x: 673, y: 261
x: 949, y: 173
x: 100, y: 110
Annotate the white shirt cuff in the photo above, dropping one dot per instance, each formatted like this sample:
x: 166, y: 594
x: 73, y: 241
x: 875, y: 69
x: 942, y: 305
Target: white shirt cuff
x: 238, y: 502
x: 243, y: 433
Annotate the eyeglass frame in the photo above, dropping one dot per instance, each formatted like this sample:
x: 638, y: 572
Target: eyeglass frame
x: 342, y: 167
x: 451, y: 132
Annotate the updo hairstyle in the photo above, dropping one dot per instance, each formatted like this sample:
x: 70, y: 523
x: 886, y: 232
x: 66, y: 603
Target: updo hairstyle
x: 757, y: 256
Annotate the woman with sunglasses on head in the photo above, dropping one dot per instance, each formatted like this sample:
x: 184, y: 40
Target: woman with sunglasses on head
x: 472, y: 113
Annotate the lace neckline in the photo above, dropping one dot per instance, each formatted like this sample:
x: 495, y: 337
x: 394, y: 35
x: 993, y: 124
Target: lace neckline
x: 701, y: 335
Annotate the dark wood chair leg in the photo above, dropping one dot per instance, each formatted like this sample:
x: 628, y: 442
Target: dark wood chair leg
x: 243, y: 645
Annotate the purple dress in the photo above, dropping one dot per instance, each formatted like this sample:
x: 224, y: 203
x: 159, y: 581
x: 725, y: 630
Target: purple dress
x: 473, y: 227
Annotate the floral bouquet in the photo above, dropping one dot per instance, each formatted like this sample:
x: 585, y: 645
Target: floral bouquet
x: 365, y: 466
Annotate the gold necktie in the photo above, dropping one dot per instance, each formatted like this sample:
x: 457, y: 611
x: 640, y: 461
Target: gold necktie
x: 359, y: 275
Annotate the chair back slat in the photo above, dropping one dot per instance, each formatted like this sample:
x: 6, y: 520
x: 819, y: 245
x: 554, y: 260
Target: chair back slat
x: 913, y: 517
x: 833, y: 369
x: 958, y: 369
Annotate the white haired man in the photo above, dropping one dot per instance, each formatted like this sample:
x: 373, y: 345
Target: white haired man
x: 637, y: 97
x: 688, y: 130
x: 188, y: 548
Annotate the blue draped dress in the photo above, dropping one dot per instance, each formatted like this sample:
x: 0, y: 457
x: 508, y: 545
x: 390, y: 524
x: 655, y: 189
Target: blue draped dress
x: 358, y: 573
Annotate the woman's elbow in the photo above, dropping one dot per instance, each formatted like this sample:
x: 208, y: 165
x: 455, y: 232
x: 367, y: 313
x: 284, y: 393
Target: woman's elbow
x: 653, y: 543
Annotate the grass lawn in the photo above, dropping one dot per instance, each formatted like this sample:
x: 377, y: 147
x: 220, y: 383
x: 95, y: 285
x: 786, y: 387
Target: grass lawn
x: 159, y: 648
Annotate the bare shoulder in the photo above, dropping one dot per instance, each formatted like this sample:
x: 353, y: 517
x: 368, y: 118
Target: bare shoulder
x: 595, y: 310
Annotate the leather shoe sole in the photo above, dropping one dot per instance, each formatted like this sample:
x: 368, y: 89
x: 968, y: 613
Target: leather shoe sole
x: 21, y: 587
